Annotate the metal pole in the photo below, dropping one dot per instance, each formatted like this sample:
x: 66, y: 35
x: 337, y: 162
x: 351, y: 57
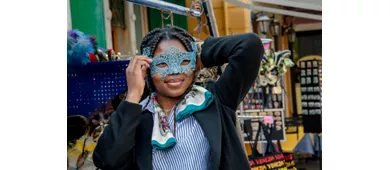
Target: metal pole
x: 319, y: 151
x: 211, y: 22
x: 276, y: 42
x: 166, y: 6
x: 293, y: 77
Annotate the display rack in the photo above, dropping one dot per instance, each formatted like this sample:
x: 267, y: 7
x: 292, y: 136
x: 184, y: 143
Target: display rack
x: 311, y: 93
x: 266, y: 97
x: 254, y: 108
x: 91, y: 86
x: 311, y: 83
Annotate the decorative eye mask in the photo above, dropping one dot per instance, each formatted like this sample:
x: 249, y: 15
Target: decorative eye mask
x: 173, y: 58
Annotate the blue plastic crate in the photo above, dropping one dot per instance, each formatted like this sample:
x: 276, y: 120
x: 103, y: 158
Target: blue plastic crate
x: 91, y: 86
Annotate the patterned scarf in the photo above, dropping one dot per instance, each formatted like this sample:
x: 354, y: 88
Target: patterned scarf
x: 197, y: 99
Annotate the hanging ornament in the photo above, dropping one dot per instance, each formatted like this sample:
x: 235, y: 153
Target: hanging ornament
x: 274, y: 65
x: 263, y: 81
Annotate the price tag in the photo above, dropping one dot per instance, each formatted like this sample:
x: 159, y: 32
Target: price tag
x: 268, y: 119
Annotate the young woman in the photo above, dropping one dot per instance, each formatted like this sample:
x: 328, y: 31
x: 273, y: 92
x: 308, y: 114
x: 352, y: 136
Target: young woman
x: 180, y: 125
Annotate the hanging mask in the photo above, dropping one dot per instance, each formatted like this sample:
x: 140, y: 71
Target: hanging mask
x: 173, y: 59
x: 263, y: 81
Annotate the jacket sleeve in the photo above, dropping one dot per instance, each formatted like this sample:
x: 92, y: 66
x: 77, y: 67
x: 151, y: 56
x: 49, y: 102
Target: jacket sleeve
x: 114, y: 149
x: 243, y: 53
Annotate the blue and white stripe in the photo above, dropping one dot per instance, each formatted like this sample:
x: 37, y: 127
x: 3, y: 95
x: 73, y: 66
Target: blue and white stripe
x: 191, y: 151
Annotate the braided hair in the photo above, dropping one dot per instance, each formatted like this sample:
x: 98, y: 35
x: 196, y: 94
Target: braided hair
x: 154, y: 37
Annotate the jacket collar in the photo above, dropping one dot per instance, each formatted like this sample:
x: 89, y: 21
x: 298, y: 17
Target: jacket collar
x: 149, y: 107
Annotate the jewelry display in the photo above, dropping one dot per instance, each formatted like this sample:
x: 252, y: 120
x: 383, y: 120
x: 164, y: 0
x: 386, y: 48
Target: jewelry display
x: 311, y: 91
x: 266, y: 96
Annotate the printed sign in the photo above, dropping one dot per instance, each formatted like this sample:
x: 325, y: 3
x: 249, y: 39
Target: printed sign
x: 268, y: 119
x: 271, y: 162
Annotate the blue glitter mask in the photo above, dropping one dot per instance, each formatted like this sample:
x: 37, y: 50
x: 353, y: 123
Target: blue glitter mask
x: 172, y: 57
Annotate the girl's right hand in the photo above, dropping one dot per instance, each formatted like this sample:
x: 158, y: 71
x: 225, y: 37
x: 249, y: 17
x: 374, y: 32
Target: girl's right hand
x: 135, y: 74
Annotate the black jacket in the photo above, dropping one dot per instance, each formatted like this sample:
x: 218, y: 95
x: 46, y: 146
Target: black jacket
x: 126, y: 141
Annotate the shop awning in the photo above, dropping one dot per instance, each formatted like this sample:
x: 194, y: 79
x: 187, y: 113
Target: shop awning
x: 313, y: 5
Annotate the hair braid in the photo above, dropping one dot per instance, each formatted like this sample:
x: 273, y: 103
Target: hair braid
x: 153, y: 41
x: 185, y: 41
x: 146, y: 40
x: 183, y: 32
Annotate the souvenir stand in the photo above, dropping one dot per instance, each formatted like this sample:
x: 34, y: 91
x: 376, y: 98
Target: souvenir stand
x: 311, y: 92
x: 265, y: 100
x: 96, y: 81
x: 311, y: 100
x: 252, y: 108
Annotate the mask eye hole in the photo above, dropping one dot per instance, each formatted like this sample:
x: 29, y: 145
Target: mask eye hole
x: 185, y: 62
x: 162, y: 65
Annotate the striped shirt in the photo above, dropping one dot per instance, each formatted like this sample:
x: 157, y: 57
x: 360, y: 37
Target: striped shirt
x: 192, y: 148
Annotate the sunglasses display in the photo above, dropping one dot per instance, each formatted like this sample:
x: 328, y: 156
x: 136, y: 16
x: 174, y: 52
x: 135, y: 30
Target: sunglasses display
x: 311, y: 76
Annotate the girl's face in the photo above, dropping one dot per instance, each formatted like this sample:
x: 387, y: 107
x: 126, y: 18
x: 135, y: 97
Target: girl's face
x: 173, y: 72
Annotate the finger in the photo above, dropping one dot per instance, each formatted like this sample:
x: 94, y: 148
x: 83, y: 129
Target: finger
x: 129, y: 63
x: 145, y: 67
x: 139, y: 64
x: 147, y: 59
x: 144, y: 72
x: 135, y: 59
x: 132, y: 63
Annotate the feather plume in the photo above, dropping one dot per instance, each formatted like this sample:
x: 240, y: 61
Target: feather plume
x: 78, y: 47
